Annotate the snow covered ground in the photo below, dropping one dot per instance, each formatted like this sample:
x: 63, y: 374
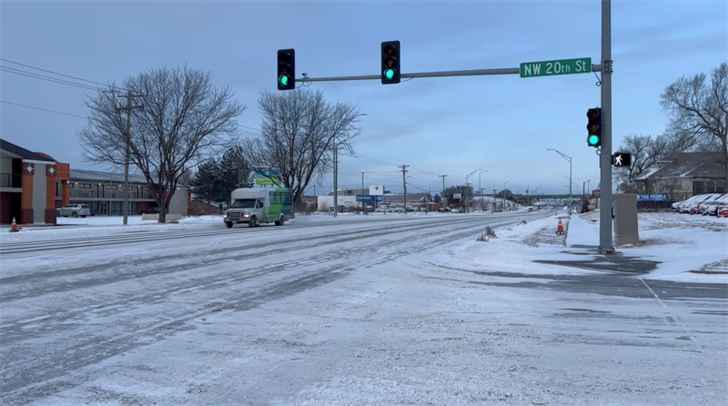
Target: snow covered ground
x: 389, y: 310
x: 683, y: 244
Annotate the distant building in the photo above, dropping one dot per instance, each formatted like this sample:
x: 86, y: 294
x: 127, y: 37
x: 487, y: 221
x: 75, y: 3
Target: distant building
x: 28, y: 184
x: 413, y: 199
x: 684, y: 175
x: 103, y: 192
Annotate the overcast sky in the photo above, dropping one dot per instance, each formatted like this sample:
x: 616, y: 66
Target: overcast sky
x: 453, y: 126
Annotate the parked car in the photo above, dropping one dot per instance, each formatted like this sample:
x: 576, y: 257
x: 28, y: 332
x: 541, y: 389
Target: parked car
x: 151, y: 210
x: 723, y: 211
x: 711, y: 207
x: 693, y: 204
x: 73, y: 210
x: 695, y: 207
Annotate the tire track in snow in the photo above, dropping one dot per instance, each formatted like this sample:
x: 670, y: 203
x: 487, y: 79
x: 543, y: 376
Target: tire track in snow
x: 37, y: 374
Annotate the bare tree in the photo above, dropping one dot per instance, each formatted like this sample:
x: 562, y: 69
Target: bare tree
x: 646, y: 151
x: 185, y: 119
x: 299, y: 131
x: 699, y: 112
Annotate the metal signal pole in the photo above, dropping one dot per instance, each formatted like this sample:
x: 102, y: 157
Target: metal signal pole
x: 605, y: 158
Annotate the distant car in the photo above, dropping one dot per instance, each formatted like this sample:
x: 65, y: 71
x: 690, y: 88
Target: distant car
x: 73, y: 210
x: 151, y: 210
x: 723, y: 211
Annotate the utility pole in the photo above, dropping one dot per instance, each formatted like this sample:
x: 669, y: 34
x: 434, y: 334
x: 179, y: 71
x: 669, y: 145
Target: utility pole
x: 442, y: 193
x: 127, y: 141
x: 404, y: 184
x: 605, y: 158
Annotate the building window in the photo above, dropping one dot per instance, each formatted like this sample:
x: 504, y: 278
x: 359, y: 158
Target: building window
x: 698, y: 187
x: 84, y: 186
x: 720, y: 186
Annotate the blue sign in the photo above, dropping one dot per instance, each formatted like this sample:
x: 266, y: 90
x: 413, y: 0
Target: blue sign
x: 655, y: 197
x: 366, y: 198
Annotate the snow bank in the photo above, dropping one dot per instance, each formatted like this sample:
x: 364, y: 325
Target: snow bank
x: 581, y: 232
x: 683, y: 244
x: 514, y: 250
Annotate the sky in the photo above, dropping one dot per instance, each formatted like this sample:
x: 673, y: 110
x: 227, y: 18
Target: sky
x: 453, y: 126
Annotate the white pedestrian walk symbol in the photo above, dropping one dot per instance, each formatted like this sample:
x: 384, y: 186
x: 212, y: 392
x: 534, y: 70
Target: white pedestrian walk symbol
x: 618, y: 160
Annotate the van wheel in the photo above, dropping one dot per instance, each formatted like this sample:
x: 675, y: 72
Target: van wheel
x: 253, y: 222
x: 282, y: 221
x: 229, y: 225
x: 74, y: 214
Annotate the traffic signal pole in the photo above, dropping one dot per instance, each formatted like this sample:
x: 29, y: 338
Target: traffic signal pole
x: 549, y: 68
x: 442, y: 74
x: 605, y: 159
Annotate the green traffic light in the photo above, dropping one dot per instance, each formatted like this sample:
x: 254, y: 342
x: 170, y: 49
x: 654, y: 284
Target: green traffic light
x: 284, y: 80
x: 389, y: 73
x: 593, y: 139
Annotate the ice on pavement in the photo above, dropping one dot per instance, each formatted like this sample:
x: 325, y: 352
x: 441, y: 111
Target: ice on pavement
x: 393, y: 310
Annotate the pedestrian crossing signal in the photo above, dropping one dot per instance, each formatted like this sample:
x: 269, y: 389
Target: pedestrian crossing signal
x: 622, y: 160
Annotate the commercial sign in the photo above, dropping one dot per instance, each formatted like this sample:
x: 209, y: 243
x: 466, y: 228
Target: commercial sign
x: 266, y: 178
x: 654, y: 197
x: 376, y: 190
x: 366, y: 198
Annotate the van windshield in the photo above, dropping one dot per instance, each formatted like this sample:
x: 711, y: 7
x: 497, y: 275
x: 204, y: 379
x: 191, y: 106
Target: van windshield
x: 243, y: 204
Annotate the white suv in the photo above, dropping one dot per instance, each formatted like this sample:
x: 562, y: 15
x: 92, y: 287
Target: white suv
x: 73, y: 210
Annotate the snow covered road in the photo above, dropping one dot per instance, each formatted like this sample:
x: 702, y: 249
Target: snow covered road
x: 330, y: 312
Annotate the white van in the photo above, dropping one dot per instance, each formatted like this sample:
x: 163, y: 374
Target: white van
x: 256, y: 206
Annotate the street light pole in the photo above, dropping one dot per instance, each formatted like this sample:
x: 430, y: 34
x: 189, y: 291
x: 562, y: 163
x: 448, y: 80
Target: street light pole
x: 480, y: 189
x: 517, y: 189
x: 467, y: 198
x: 362, y: 190
x: 568, y: 158
x: 336, y: 179
x: 504, y: 195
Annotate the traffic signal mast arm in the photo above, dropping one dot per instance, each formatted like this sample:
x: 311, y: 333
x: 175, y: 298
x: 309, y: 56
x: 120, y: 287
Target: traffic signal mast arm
x: 441, y: 74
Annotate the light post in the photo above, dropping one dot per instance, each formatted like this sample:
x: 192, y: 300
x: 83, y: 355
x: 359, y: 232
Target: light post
x: 568, y: 158
x: 480, y: 189
x: 467, y: 199
x: 504, y: 195
x: 336, y: 174
x: 362, y: 190
x: 517, y: 189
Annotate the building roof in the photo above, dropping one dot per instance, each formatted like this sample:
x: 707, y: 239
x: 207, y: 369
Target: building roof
x: 411, y: 197
x: 686, y: 165
x: 20, y: 152
x: 98, y: 176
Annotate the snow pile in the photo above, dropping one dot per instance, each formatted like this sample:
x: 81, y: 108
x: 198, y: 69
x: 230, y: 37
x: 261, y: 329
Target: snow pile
x: 582, y: 232
x: 513, y: 250
x: 689, y: 248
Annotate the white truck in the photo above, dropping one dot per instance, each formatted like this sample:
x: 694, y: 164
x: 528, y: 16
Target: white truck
x: 256, y: 206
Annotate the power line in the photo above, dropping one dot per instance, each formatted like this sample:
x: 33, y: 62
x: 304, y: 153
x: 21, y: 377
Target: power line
x: 55, y: 73
x: 36, y: 108
x: 48, y: 78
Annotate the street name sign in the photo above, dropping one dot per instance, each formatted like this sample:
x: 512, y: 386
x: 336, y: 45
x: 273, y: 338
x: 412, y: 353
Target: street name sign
x: 557, y: 67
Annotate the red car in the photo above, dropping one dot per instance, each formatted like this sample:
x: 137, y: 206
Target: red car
x: 723, y: 211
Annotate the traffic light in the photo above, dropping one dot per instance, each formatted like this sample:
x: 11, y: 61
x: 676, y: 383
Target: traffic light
x: 594, y: 136
x: 390, y: 62
x: 286, y: 69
